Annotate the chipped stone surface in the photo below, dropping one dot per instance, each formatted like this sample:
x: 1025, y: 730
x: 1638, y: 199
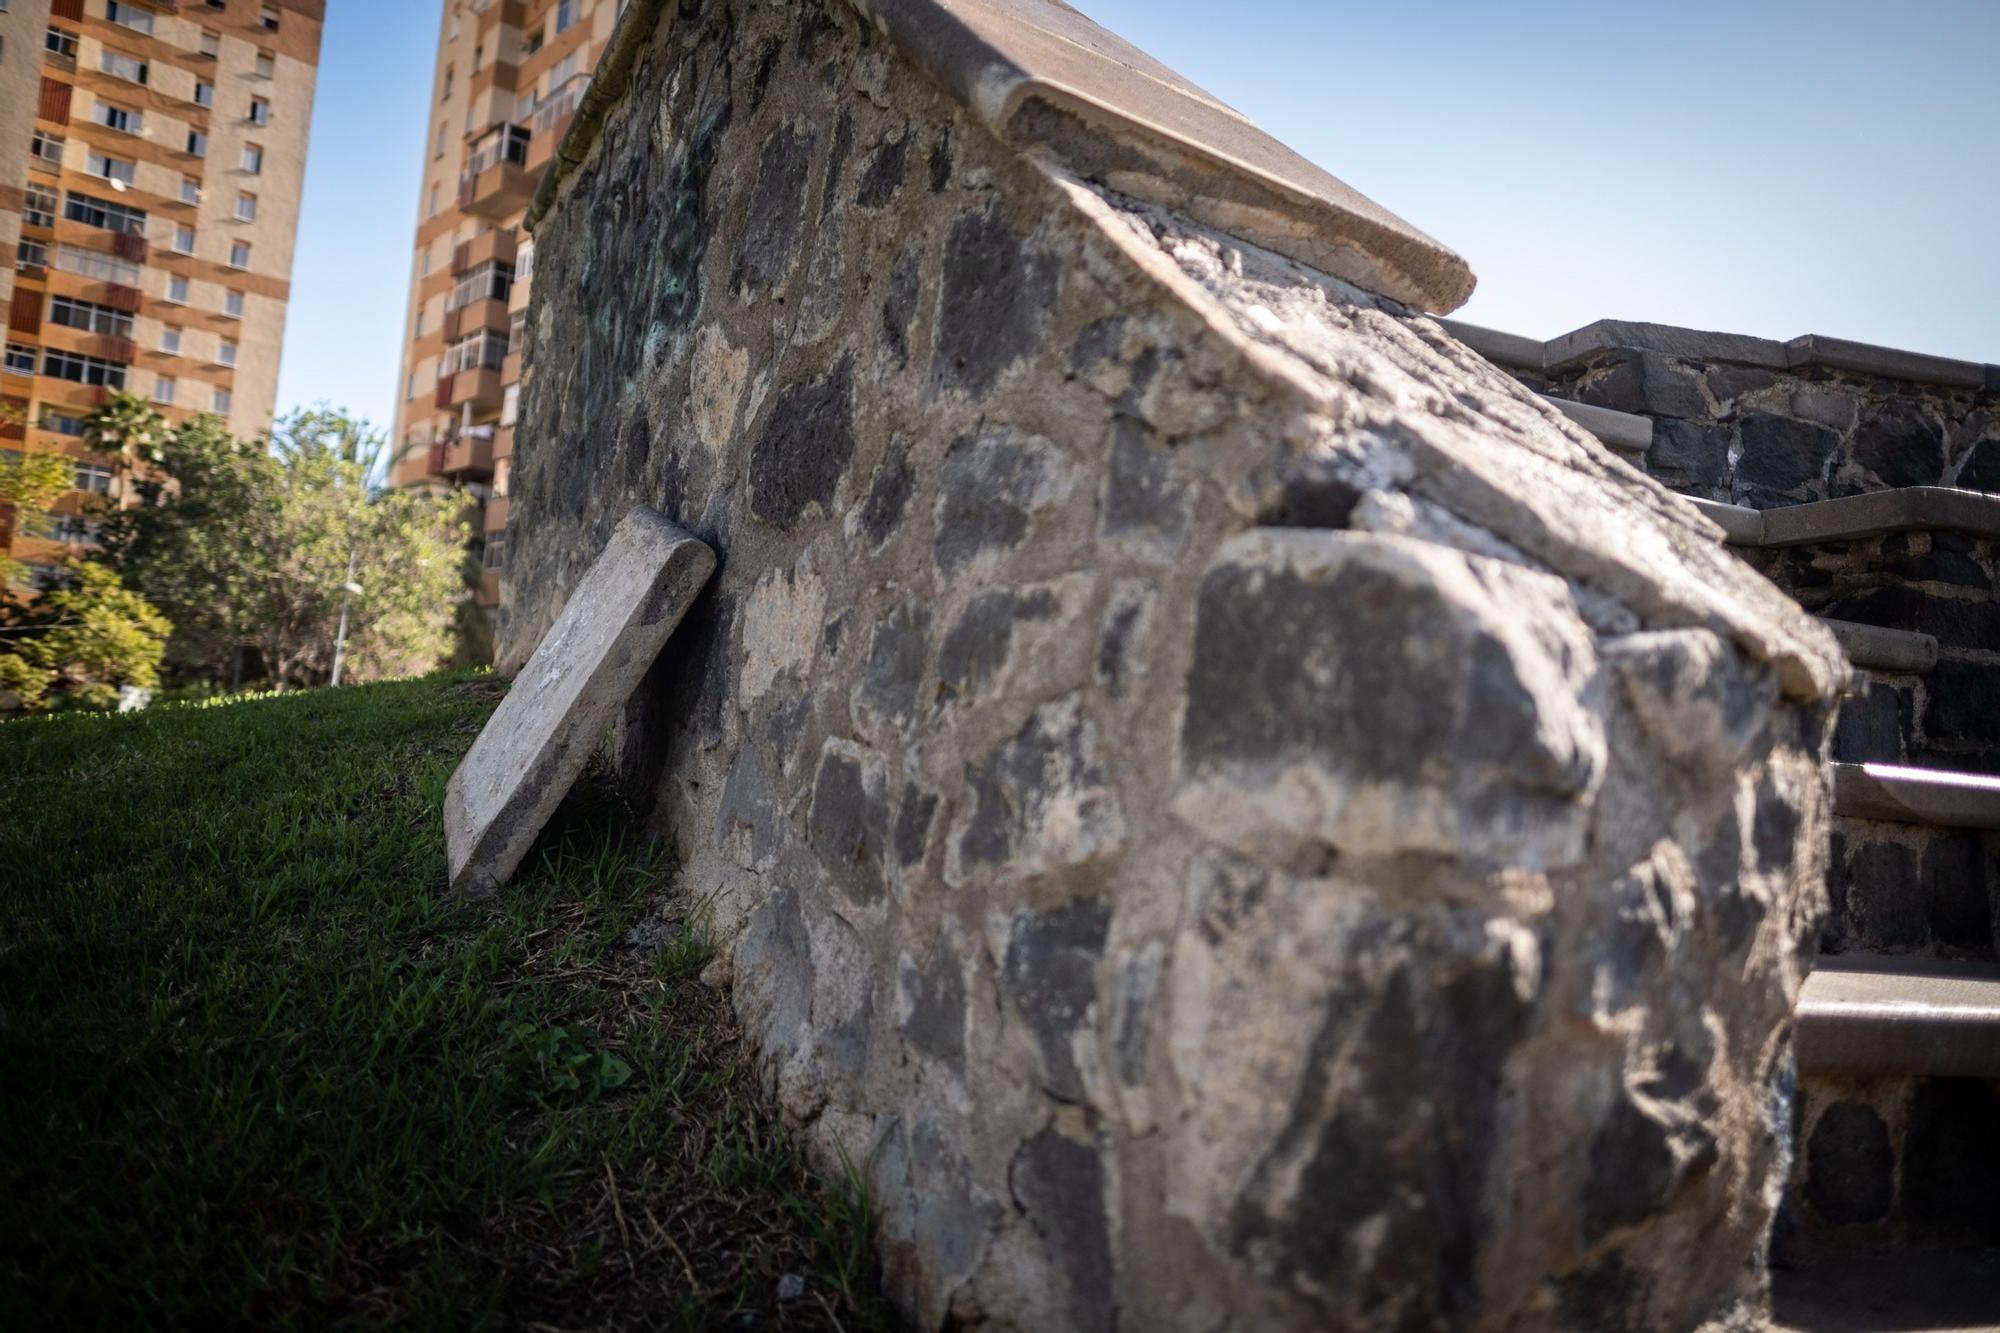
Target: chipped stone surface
x: 1235, y: 812
x: 536, y: 743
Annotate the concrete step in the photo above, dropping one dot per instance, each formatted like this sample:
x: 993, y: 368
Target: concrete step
x: 1879, y: 649
x: 1854, y: 517
x: 1920, y: 1017
x: 1624, y: 431
x: 1902, y: 795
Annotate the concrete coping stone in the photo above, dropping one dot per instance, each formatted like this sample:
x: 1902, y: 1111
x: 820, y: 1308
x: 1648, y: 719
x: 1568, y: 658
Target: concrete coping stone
x: 1860, y: 1014
x: 1809, y: 350
x: 1624, y: 431
x: 1880, y: 649
x: 1741, y: 525
x: 1047, y: 81
x: 1905, y: 509
x: 558, y: 709
x: 1901, y: 795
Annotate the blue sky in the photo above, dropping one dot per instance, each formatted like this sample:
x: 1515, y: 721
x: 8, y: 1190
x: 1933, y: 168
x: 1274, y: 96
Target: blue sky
x: 1771, y: 167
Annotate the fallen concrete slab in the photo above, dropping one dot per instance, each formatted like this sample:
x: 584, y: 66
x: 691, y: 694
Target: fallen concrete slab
x: 538, y: 740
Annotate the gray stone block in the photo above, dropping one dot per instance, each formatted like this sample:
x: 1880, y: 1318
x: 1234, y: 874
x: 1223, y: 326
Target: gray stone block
x: 1880, y: 649
x: 1916, y: 796
x: 1683, y: 344
x: 1502, y: 349
x: 1909, y: 509
x: 1741, y: 525
x: 536, y: 743
x: 1868, y: 359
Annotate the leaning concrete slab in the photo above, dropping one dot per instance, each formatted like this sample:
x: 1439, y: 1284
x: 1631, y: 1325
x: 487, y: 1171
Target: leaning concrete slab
x: 537, y: 741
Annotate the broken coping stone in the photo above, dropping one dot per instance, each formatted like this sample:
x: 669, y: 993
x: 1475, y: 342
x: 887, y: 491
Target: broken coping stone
x: 538, y: 740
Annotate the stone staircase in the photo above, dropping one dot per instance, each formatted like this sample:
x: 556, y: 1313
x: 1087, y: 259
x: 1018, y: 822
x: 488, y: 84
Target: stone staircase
x: 1821, y: 461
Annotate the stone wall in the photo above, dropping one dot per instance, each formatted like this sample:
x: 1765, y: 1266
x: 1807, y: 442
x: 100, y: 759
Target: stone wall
x: 1230, y: 811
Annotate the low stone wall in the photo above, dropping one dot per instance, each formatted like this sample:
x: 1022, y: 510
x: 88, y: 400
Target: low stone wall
x: 1228, y: 810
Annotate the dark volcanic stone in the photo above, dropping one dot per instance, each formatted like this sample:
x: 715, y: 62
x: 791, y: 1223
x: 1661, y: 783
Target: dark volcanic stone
x: 805, y: 448
x: 1689, y: 448
x: 1783, y: 454
x: 1960, y: 703
x: 940, y: 163
x: 771, y: 230
x: 1850, y: 1166
x: 936, y: 998
x: 1951, y: 1159
x: 1956, y: 902
x: 1871, y: 727
x: 896, y: 656
x: 843, y: 144
x: 899, y: 308
x: 1051, y: 977
x: 1981, y: 469
x: 888, y: 497
x: 1900, y: 445
x: 848, y: 826
x: 1632, y: 1171
x: 988, y: 484
x: 1312, y: 495
x: 997, y: 296
x: 1114, y: 645
x: 1648, y: 384
x: 913, y: 824
x: 1140, y: 498
x: 1060, y: 1184
x: 883, y: 175
x: 977, y: 645
x: 1885, y: 908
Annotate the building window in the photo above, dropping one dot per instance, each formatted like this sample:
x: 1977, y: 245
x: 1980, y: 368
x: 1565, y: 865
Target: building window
x: 239, y: 254
x: 266, y: 66
x: 98, y: 265
x: 197, y: 144
x: 434, y: 201
x: 119, y: 118
x: 79, y: 369
x: 253, y: 158
x: 444, y: 131
x: 121, y: 66
x: 524, y: 262
x: 177, y: 289
x: 211, y: 44
x: 130, y: 16
x: 267, y: 18
x: 484, y: 350
x: 496, y: 553
x: 232, y: 304
x: 94, y: 478
x: 20, y: 359
x: 110, y: 168
x: 222, y: 401
x: 163, y: 388
x: 510, y: 405
x: 170, y: 340
x: 445, y: 94
x: 94, y: 212
x: 89, y: 317
x: 60, y: 424
x: 39, y: 207
x: 46, y: 150
x: 246, y: 208
x: 534, y: 41
x: 190, y: 190
x: 260, y: 111
x: 31, y: 255
x: 61, y: 43
x: 491, y: 281
x: 78, y: 530
x: 183, y: 240
x: 517, y: 331
x: 225, y: 352
x: 565, y: 14
x: 204, y: 94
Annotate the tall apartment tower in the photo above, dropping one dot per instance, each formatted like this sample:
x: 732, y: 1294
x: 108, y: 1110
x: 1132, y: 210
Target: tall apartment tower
x: 509, y: 76
x: 151, y: 158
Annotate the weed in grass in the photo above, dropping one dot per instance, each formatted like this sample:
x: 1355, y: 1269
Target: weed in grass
x: 262, y: 1071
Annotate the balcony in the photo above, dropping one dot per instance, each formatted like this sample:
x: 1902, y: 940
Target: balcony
x: 441, y: 400
x: 497, y: 182
x: 110, y: 348
x: 503, y: 443
x: 470, y: 454
x: 495, y: 519
x: 127, y: 245
x: 479, y: 387
x: 469, y: 319
x: 499, y: 245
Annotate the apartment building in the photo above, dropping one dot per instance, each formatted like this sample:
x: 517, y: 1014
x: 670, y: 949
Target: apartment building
x: 151, y: 158
x: 509, y: 76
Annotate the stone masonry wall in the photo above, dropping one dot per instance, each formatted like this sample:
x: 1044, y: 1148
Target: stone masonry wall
x: 1232, y: 813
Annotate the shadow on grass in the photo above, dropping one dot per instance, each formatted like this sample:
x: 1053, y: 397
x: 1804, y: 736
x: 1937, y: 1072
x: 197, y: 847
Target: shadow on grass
x: 261, y: 1070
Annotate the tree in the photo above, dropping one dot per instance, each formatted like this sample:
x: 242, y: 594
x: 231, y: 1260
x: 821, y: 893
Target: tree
x: 30, y: 485
x: 82, y: 641
x: 129, y: 429
x: 248, y: 545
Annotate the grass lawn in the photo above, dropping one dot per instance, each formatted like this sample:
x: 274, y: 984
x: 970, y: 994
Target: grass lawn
x: 258, y: 1070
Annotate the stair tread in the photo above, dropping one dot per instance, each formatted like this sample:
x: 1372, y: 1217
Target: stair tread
x: 1852, y: 517
x: 1904, y: 795
x: 1861, y: 1013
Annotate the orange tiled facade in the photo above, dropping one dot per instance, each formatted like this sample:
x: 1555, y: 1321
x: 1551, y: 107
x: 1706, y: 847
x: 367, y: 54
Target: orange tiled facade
x: 152, y: 154
x: 508, y: 79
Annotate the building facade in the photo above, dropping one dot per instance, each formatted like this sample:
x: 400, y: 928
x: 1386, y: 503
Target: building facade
x: 509, y: 76
x: 152, y: 154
